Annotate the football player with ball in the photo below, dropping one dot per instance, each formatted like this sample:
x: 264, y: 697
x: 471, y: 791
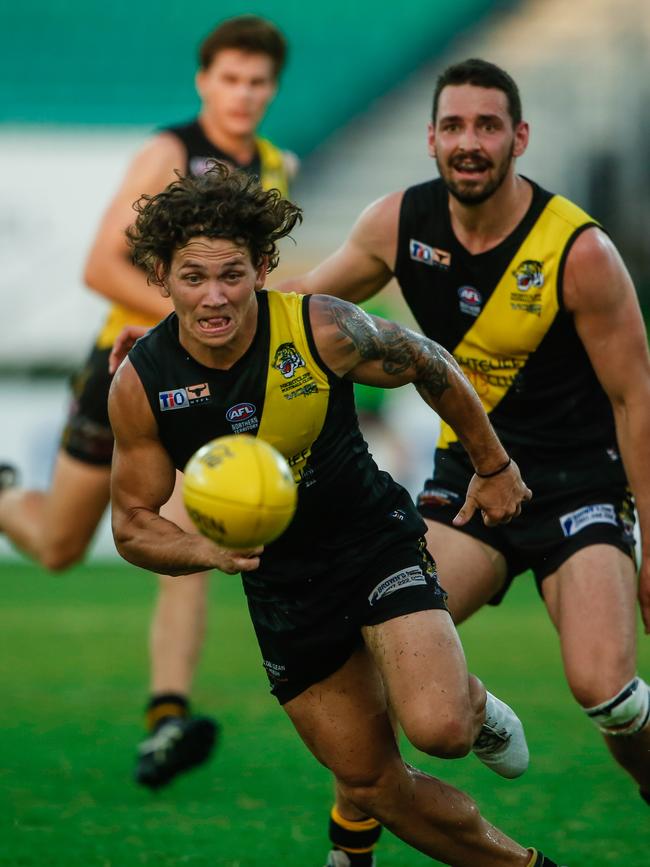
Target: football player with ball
x: 346, y: 603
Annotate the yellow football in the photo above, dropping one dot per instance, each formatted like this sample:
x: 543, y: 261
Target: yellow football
x: 238, y: 490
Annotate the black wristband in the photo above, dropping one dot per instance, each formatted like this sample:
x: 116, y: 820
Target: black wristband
x: 494, y: 472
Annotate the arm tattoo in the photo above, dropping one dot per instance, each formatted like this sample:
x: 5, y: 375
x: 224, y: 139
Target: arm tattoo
x: 398, y: 348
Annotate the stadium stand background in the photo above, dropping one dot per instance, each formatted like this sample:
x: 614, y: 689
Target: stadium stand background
x: 81, y: 87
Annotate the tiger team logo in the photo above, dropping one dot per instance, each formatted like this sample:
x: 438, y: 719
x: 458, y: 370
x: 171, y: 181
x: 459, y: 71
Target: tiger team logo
x: 529, y: 275
x: 287, y: 360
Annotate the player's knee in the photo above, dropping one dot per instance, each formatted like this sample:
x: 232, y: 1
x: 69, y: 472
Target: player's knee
x: 445, y: 738
x: 625, y: 713
x: 61, y: 555
x: 593, y: 685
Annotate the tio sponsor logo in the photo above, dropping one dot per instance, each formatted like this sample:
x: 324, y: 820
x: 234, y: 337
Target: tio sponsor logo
x: 176, y: 399
x: 181, y: 398
x: 427, y: 255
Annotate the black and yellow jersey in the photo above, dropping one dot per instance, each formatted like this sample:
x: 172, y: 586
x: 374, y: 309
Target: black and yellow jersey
x: 502, y: 316
x: 282, y: 391
x: 269, y: 165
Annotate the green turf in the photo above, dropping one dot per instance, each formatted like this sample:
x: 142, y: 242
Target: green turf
x: 74, y: 669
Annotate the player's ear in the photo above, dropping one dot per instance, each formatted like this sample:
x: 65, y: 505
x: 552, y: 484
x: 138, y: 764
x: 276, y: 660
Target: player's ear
x: 199, y: 82
x: 262, y: 273
x: 160, y: 279
x: 431, y: 139
x: 522, y: 137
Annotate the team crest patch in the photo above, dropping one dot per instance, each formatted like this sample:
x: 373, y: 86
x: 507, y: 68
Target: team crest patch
x: 600, y: 513
x: 427, y: 255
x: 529, y: 275
x: 410, y: 577
x: 287, y: 360
x: 182, y: 398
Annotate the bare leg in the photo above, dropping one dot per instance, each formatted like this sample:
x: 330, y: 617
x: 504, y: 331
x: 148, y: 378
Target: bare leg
x: 592, y: 602
x: 179, y: 740
x: 55, y: 527
x: 179, y: 620
x: 470, y: 571
x: 440, y: 707
x: 343, y: 720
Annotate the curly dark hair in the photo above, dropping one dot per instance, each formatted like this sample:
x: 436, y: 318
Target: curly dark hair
x: 222, y: 203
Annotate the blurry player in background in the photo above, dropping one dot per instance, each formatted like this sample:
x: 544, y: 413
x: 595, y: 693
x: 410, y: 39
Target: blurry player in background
x: 239, y: 66
x: 531, y: 297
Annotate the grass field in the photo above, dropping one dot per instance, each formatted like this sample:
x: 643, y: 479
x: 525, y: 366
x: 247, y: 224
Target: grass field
x: 74, y: 673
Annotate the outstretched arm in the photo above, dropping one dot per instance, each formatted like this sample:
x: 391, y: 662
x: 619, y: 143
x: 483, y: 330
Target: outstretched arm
x: 600, y: 294
x: 377, y: 352
x: 142, y: 480
x: 363, y: 264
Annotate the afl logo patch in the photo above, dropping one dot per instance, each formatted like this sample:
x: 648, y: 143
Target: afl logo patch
x: 240, y: 412
x: 469, y: 300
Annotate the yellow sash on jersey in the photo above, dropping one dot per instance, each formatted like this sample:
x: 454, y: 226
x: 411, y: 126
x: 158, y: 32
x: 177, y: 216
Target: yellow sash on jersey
x: 274, y: 176
x: 520, y: 311
x: 296, y: 387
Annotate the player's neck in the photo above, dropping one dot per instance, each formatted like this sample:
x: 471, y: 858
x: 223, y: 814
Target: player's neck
x: 482, y: 227
x: 241, y: 148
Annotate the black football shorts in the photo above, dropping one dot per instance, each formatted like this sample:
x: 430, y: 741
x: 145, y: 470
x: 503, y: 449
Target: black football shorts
x: 308, y: 634
x: 87, y: 435
x: 578, y: 500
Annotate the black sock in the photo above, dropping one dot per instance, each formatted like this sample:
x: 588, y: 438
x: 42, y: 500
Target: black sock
x: 164, y: 705
x: 538, y: 859
x: 356, y: 839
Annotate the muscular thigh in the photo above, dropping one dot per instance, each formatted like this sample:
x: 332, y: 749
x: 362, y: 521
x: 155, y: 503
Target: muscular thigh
x: 470, y: 571
x: 422, y: 664
x: 343, y: 719
x: 591, y: 599
x: 78, y: 496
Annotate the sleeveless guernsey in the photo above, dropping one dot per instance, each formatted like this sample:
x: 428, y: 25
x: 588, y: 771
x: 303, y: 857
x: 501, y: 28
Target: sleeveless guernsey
x: 501, y: 314
x: 281, y: 391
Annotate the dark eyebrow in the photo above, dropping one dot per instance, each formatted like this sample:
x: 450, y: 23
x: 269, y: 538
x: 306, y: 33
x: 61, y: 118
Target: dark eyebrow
x: 455, y: 118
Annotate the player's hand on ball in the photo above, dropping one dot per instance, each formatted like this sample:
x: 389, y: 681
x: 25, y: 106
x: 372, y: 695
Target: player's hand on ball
x: 498, y: 498
x: 232, y: 562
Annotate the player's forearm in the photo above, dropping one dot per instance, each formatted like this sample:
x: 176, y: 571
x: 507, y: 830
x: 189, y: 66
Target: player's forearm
x: 442, y: 385
x: 123, y: 283
x: 151, y: 542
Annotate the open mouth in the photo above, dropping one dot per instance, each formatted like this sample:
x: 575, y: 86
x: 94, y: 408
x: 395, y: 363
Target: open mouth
x: 215, y: 325
x: 470, y: 167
